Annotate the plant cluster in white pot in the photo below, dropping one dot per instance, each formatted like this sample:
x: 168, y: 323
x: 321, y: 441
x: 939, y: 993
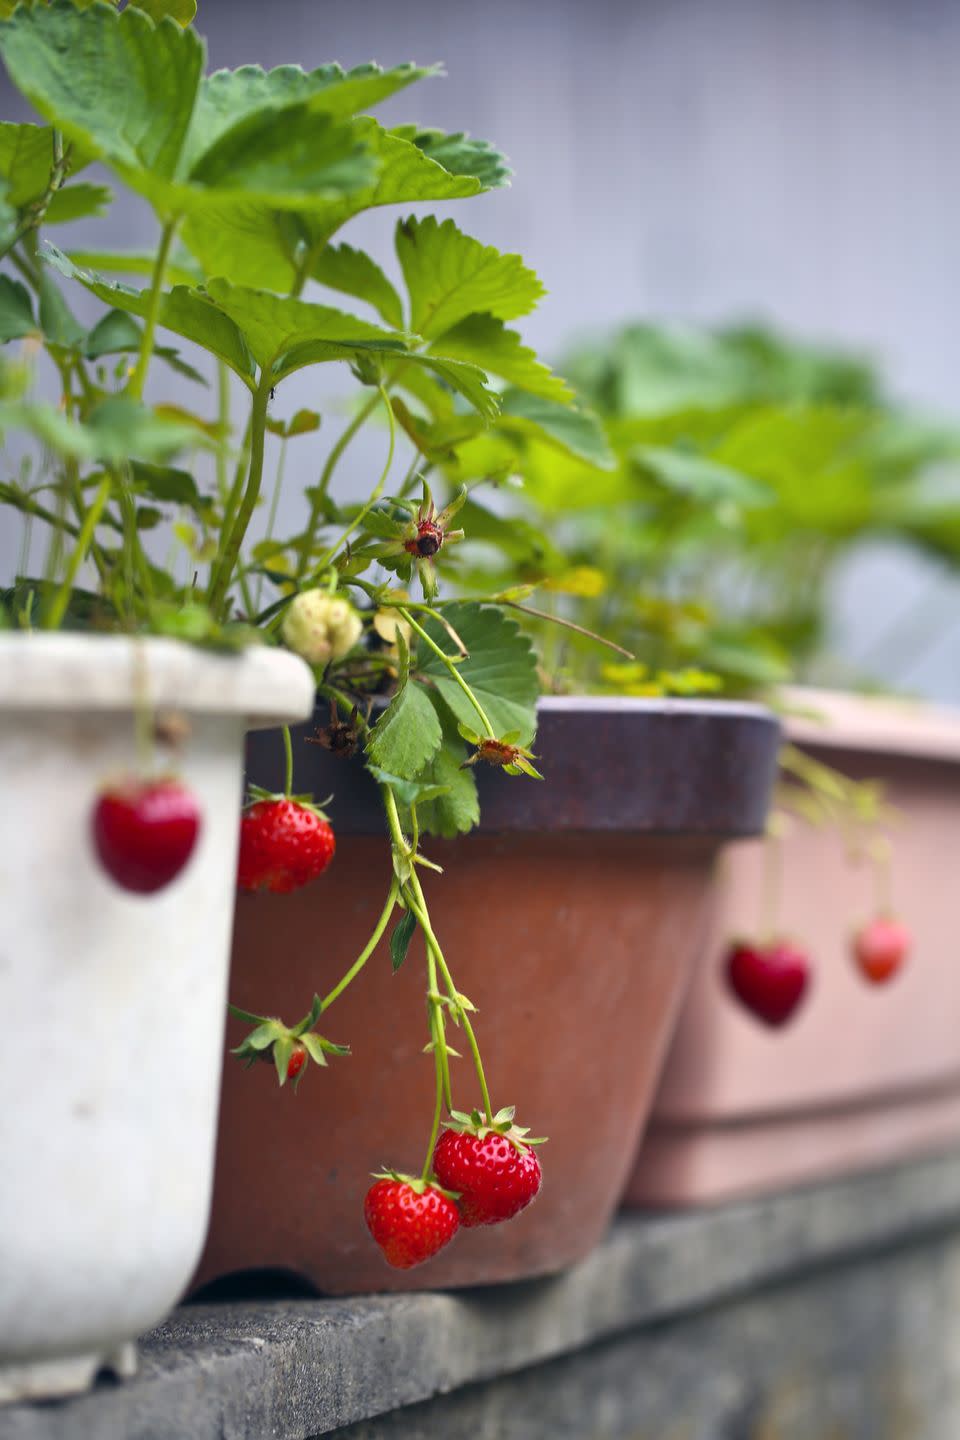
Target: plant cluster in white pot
x: 142, y: 630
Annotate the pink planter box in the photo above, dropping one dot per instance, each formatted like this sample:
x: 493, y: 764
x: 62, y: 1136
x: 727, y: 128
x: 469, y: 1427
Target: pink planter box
x: 862, y: 1075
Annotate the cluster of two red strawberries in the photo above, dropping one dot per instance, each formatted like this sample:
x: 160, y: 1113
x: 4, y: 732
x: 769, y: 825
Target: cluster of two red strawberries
x: 481, y: 1176
x: 772, y: 980
x: 146, y: 831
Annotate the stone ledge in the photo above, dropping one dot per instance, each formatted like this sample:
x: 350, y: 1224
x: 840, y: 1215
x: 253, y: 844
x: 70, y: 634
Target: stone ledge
x: 289, y: 1369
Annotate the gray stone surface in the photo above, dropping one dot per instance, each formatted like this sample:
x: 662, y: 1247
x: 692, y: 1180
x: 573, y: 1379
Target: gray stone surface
x: 862, y: 1351
x: 300, y: 1368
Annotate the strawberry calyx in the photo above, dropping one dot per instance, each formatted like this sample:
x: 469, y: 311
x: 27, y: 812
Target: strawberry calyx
x: 272, y: 1039
x: 477, y: 1124
x: 505, y: 752
x: 258, y: 796
x: 417, y: 1183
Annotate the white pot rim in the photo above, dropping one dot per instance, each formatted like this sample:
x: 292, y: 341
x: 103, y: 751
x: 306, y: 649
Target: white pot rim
x: 68, y: 671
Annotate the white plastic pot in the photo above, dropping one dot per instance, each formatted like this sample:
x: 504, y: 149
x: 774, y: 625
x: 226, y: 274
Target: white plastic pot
x: 112, y: 1005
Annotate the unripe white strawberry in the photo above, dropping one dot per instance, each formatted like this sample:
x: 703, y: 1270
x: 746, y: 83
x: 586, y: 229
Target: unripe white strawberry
x: 321, y: 627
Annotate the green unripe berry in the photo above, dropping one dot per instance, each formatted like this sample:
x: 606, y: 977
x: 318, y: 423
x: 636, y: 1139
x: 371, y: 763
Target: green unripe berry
x: 321, y: 627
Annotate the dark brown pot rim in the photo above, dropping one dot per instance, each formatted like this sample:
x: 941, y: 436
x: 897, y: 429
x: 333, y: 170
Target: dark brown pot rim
x: 640, y: 766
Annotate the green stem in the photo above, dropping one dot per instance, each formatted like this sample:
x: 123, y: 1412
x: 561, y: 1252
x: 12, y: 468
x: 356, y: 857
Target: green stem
x: 438, y: 1102
x: 32, y: 217
x: 223, y: 573
x: 223, y: 427
x: 62, y: 598
x: 288, y: 759
x: 272, y: 516
x: 423, y: 917
x: 232, y: 500
x: 333, y: 458
x: 374, y: 495
x: 367, y: 951
x: 405, y: 614
x: 139, y: 376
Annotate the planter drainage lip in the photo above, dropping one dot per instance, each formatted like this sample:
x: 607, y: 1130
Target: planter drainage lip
x: 617, y: 765
x: 878, y: 725
x: 79, y: 672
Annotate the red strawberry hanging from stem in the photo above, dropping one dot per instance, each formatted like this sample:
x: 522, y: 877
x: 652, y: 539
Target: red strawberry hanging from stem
x: 881, y: 946
x: 285, y: 840
x: 771, y: 977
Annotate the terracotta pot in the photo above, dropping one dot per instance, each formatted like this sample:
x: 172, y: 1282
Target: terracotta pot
x: 571, y: 919
x: 863, y: 1074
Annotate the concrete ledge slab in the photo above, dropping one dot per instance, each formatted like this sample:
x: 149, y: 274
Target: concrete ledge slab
x: 291, y: 1369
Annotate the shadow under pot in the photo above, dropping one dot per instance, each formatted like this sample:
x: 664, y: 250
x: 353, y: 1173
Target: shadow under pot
x: 867, y: 1071
x: 571, y: 918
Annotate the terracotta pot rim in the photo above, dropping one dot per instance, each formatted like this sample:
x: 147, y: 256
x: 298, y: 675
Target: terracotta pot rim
x: 624, y: 765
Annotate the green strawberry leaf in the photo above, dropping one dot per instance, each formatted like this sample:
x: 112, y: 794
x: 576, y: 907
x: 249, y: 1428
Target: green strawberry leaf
x: 26, y: 161
x: 187, y: 311
x: 76, y: 202
x: 228, y: 97
x: 16, y: 311
x: 450, y: 276
x: 57, y: 320
x: 500, y: 668
x: 169, y: 486
x: 458, y: 808
x: 183, y: 11
x: 128, y: 91
x: 260, y: 246
x: 352, y: 272
x: 487, y: 342
x: 117, y: 333
x: 700, y: 478
x: 460, y: 376
x: 118, y: 430
x: 132, y: 96
x: 459, y: 154
x: 293, y: 333
x: 304, y: 422
x: 400, y: 939
x: 407, y: 792
x: 407, y: 735
x: 573, y: 431
x: 182, y: 269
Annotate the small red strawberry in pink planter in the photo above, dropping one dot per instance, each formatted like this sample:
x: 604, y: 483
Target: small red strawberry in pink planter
x: 490, y: 1164
x: 410, y: 1219
x: 880, y: 948
x: 769, y: 980
x: 145, y: 831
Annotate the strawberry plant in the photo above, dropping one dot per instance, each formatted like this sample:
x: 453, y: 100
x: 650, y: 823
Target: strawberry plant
x: 162, y: 518
x: 747, y: 468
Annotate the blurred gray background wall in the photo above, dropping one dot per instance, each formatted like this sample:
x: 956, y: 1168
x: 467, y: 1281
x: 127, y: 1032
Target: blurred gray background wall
x: 793, y: 160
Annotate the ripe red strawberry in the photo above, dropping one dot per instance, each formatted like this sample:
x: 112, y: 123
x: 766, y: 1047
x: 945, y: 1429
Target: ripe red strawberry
x: 145, y: 832
x: 298, y: 1058
x: 495, y: 1176
x: 769, y: 980
x: 880, y: 948
x: 284, y: 844
x: 409, y: 1219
